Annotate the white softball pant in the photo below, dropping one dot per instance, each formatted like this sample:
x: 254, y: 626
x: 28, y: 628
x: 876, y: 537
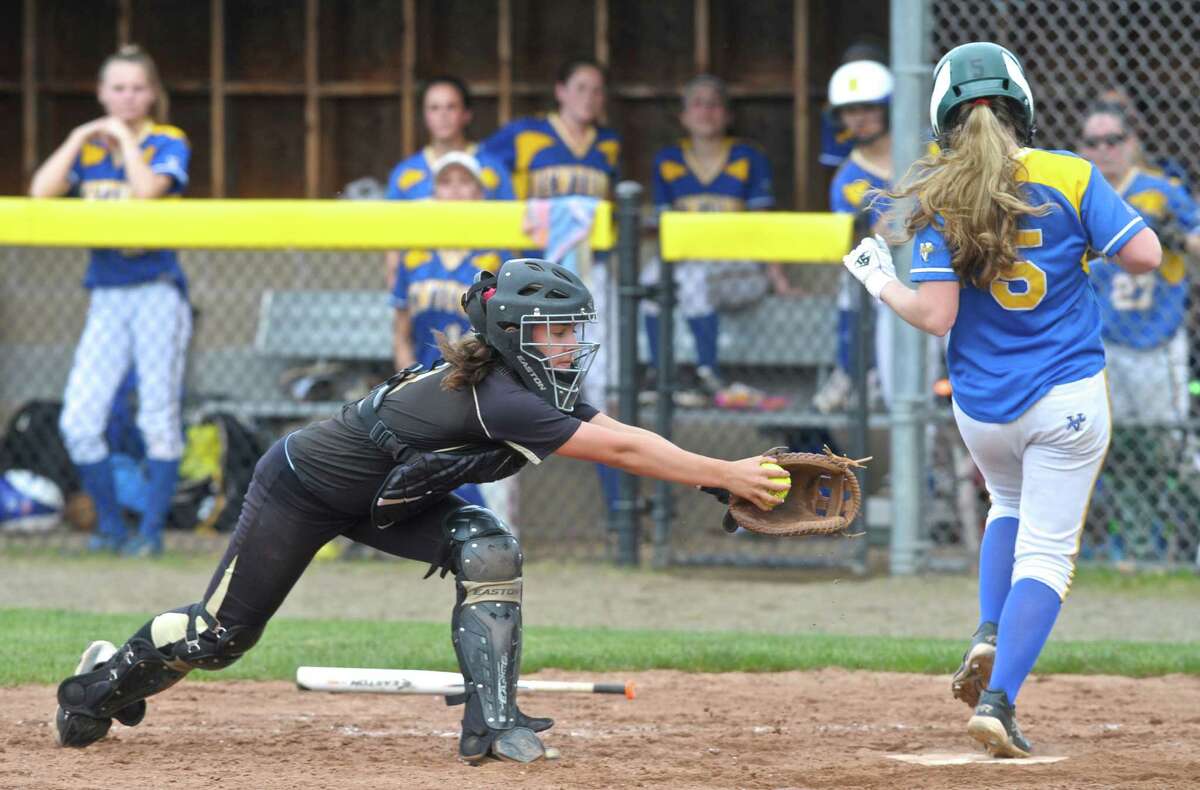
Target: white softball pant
x: 146, y: 327
x: 691, y: 287
x: 1041, y: 469
x: 1149, y: 384
x: 603, y: 369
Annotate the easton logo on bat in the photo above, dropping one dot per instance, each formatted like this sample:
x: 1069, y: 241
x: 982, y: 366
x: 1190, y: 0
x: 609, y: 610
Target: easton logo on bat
x: 365, y: 683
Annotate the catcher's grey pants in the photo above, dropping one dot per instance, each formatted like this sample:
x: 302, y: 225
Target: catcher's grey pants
x: 281, y: 528
x: 1041, y: 469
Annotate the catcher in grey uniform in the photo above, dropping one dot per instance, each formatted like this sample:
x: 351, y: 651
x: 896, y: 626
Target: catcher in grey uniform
x: 381, y: 472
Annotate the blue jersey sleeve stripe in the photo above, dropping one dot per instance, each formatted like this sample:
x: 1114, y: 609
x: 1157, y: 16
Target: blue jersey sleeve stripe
x: 171, y: 168
x: 933, y: 276
x: 1120, y: 234
x: 931, y: 269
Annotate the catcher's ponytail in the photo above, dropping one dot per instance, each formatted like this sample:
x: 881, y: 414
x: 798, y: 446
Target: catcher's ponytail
x: 132, y: 53
x: 470, y: 360
x: 973, y: 189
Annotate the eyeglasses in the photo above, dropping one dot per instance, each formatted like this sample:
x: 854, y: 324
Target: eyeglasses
x: 1110, y: 140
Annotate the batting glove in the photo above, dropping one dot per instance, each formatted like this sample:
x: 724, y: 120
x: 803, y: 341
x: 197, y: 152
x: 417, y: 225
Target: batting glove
x: 871, y: 264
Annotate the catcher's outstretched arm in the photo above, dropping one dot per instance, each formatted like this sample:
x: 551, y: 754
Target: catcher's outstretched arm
x: 649, y: 455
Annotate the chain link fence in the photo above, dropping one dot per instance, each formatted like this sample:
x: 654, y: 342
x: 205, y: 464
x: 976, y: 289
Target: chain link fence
x: 1116, y: 83
x: 282, y: 338
x: 279, y: 339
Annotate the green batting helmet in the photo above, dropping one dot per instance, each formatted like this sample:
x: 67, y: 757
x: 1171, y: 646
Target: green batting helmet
x: 979, y: 70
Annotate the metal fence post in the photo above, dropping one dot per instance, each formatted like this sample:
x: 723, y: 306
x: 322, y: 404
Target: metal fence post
x: 860, y: 414
x: 908, y: 37
x: 664, y: 503
x: 629, y: 199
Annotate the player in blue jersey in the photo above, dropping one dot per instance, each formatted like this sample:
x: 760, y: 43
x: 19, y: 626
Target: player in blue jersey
x: 565, y: 153
x: 860, y: 93
x: 446, y: 107
x: 429, y: 284
x: 707, y: 171
x: 837, y: 139
x: 1001, y: 235
x: 139, y: 315
x: 1145, y: 333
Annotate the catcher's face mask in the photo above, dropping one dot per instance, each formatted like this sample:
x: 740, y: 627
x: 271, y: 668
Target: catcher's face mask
x: 559, y: 349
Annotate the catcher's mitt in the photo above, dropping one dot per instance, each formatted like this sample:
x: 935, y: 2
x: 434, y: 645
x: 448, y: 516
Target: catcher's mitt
x: 824, y: 498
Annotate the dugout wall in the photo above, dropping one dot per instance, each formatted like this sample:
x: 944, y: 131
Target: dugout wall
x: 296, y: 98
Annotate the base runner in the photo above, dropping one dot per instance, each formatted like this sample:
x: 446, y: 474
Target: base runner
x: 1001, y: 230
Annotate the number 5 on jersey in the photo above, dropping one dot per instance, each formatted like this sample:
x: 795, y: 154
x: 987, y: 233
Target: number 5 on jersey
x: 1025, y: 288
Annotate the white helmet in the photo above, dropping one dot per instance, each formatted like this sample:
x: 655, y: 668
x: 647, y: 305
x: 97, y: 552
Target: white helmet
x: 860, y: 82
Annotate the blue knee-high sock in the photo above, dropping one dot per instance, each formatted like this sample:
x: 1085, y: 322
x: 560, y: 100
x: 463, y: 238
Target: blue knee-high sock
x: 1025, y: 625
x: 161, y: 478
x: 98, y: 482
x: 652, y: 338
x: 704, y: 331
x: 610, y: 486
x: 995, y: 567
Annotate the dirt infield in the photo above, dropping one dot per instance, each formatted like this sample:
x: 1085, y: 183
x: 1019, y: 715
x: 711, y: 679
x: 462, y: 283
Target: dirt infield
x: 823, y: 729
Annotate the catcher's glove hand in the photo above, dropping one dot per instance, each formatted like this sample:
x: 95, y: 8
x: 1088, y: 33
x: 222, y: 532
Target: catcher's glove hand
x: 824, y: 498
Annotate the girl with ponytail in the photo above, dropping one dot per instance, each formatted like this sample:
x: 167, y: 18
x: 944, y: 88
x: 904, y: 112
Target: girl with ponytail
x: 1001, y: 235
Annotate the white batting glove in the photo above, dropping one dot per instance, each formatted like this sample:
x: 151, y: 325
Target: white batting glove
x: 871, y: 264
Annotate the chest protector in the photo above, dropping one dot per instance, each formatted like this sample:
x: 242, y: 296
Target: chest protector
x: 422, y: 478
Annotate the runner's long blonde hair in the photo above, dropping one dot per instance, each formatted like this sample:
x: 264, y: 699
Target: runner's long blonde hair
x: 972, y: 191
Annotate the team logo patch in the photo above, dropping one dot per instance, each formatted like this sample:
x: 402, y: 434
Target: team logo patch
x: 1076, y: 423
x: 925, y: 249
x: 863, y: 259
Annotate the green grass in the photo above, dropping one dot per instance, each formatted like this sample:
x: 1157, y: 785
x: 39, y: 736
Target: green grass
x: 41, y: 646
x: 1148, y: 581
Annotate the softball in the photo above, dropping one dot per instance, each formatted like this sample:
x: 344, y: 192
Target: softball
x: 770, y: 467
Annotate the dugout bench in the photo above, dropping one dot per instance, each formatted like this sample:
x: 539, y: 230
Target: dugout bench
x: 304, y: 326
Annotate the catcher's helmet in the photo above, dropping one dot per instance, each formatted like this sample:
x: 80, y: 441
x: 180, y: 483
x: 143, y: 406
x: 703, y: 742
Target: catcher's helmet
x: 504, y: 307
x: 979, y: 70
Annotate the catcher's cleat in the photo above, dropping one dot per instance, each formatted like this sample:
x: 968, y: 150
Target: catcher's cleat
x: 517, y: 744
x: 109, y: 683
x: 535, y: 723
x: 76, y: 729
x: 995, y: 726
x: 975, y: 671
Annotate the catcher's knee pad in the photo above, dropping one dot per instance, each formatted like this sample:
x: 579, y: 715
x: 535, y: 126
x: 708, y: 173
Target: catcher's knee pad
x: 191, y: 638
x: 487, y: 616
